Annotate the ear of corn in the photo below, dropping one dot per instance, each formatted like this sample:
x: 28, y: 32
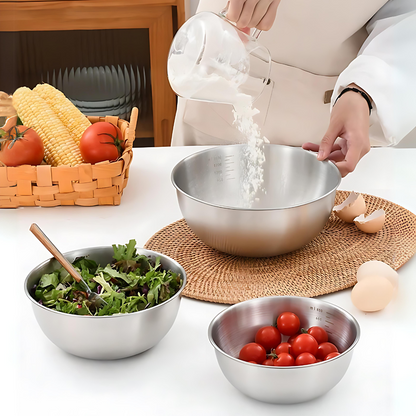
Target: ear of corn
x: 72, y: 118
x: 34, y: 111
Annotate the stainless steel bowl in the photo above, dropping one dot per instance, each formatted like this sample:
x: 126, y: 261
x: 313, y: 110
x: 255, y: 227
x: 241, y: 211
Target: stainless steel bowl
x: 299, y: 197
x: 237, y: 325
x: 105, y: 337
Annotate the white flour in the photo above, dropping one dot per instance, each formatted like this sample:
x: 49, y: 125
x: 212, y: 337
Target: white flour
x: 252, y: 179
x: 215, y: 82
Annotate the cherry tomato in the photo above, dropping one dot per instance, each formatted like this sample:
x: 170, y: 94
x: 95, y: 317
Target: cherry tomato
x: 21, y: 146
x: 305, y: 358
x: 304, y: 343
x: 268, y: 336
x: 268, y: 361
x: 318, y: 333
x: 101, y: 141
x: 324, y: 349
x: 284, y: 360
x: 253, y: 352
x: 331, y: 355
x: 282, y: 347
x: 288, y: 323
x: 292, y: 338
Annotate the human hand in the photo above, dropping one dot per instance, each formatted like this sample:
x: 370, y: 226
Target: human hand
x: 350, y: 122
x: 253, y: 13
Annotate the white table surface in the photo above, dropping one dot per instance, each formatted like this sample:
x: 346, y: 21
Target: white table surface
x: 180, y: 375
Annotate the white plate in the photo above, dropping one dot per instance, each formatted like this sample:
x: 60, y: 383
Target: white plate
x: 104, y: 90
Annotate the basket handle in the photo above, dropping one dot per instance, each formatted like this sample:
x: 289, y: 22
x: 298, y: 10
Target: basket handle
x: 131, y: 132
x: 6, y: 105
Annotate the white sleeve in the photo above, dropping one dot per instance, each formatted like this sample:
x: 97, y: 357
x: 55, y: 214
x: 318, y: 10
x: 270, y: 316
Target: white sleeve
x: 386, y: 68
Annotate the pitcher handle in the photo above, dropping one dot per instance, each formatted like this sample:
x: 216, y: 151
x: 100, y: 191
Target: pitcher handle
x: 256, y: 33
x: 223, y: 13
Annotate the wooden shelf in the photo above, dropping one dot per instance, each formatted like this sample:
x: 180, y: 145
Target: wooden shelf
x: 160, y: 17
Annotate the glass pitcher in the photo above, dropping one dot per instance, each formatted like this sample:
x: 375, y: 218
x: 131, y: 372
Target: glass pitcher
x: 210, y: 59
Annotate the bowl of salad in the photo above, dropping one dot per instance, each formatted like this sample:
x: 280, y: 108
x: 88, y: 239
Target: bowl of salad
x: 141, y: 288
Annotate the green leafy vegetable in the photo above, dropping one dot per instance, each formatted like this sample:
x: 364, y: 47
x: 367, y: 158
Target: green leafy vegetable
x: 49, y: 280
x: 129, y: 284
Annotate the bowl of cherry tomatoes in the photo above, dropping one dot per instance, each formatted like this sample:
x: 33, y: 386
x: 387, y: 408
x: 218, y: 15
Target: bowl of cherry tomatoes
x: 284, y: 349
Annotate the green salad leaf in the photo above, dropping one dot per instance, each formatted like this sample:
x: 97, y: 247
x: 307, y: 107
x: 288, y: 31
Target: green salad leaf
x: 49, y: 280
x: 131, y: 283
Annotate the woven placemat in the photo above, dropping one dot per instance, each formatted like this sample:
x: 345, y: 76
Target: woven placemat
x: 327, y: 264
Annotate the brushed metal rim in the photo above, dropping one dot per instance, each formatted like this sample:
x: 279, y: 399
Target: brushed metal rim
x: 267, y: 368
x: 68, y: 253
x: 195, y: 155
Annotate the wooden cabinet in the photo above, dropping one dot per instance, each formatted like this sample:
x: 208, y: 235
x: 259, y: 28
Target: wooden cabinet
x: 160, y: 17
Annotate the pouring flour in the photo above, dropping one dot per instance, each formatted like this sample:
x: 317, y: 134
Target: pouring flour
x: 211, y: 60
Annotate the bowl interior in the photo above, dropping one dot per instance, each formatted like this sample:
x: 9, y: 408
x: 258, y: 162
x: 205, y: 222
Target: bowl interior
x: 291, y: 177
x: 238, y: 324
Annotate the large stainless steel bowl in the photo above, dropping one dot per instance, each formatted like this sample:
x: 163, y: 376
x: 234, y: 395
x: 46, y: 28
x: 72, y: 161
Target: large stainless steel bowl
x: 237, y: 325
x: 105, y: 337
x: 297, y: 202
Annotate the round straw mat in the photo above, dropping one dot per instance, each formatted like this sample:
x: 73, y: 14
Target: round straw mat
x: 327, y: 264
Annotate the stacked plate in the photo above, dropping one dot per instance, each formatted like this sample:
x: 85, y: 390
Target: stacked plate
x: 104, y: 90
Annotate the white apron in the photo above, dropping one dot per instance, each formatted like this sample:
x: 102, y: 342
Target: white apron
x: 311, y: 43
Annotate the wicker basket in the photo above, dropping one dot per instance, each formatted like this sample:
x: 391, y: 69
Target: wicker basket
x: 85, y: 185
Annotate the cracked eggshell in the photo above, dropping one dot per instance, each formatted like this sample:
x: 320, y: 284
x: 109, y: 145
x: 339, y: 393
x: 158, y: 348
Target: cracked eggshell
x: 371, y: 224
x: 351, y: 208
x: 378, y: 268
x: 372, y: 294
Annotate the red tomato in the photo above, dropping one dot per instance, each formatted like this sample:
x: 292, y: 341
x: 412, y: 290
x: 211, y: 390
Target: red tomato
x: 305, y: 358
x: 21, y: 146
x: 318, y: 333
x: 292, y: 338
x: 284, y: 360
x: 268, y: 336
x: 268, y: 361
x: 324, y: 349
x: 101, y: 141
x: 282, y: 347
x: 331, y: 355
x: 253, y: 352
x: 288, y: 323
x: 304, y: 343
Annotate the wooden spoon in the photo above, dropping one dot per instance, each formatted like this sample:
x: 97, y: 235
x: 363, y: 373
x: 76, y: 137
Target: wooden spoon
x: 40, y: 235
